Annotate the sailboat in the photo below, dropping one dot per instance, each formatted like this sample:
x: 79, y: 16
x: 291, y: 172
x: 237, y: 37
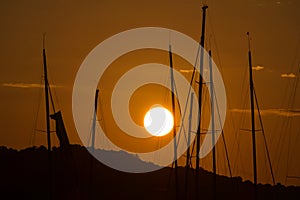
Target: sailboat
x: 253, y: 99
x: 57, y: 115
x: 59, y: 124
x: 200, y: 101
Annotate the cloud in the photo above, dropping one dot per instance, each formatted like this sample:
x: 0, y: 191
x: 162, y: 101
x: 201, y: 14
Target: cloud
x: 191, y: 70
x: 186, y: 70
x: 258, y: 68
x: 290, y: 75
x: 26, y: 85
x: 278, y: 112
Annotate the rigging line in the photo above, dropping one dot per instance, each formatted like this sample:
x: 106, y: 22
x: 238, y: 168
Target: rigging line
x: 243, y: 119
x: 39, y: 96
x: 191, y: 82
x: 236, y: 130
x: 281, y: 139
x: 89, y: 128
x: 50, y: 77
x: 222, y: 133
x: 181, y: 127
x: 242, y: 122
x: 192, y: 151
x: 226, y: 154
x: 193, y: 75
x: 103, y: 126
x: 287, y: 120
x: 51, y: 97
x: 179, y: 108
x: 292, y: 108
x: 295, y: 56
x: 186, y: 104
x: 214, y: 41
x: 288, y: 149
x: 55, y: 99
x: 220, y: 64
x: 204, y: 131
x: 296, y: 139
x: 285, y: 129
x: 264, y: 136
x: 288, y: 102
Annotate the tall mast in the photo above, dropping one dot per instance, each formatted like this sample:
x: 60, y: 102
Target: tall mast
x: 200, y: 100
x: 46, y: 96
x: 252, y: 119
x: 47, y: 119
x: 93, y: 144
x: 188, y: 159
x: 213, y: 126
x: 94, y: 119
x: 174, y: 118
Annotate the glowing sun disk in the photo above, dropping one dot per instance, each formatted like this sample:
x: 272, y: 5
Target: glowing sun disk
x: 158, y: 121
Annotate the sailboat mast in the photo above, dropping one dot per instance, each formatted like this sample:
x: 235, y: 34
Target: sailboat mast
x: 200, y: 87
x: 213, y: 126
x: 46, y: 97
x: 173, y: 104
x: 200, y: 98
x: 188, y: 157
x: 174, y: 118
x: 252, y: 118
x: 47, y: 121
x: 94, y: 119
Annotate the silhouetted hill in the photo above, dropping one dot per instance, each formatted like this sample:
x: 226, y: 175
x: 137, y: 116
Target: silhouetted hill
x: 77, y: 175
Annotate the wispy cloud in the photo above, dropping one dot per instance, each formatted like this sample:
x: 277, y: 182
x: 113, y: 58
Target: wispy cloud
x: 26, y: 85
x: 278, y: 112
x: 258, y: 68
x: 290, y: 75
x: 191, y: 70
x: 186, y: 71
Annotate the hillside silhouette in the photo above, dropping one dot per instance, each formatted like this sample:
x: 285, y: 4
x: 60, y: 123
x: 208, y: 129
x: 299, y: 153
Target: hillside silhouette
x: 77, y: 175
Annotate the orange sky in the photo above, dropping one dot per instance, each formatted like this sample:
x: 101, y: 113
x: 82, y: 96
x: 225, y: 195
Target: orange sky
x: 74, y: 28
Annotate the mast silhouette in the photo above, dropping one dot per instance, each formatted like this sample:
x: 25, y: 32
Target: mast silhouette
x: 93, y: 133
x: 252, y: 118
x: 46, y: 97
x: 94, y: 120
x: 174, y: 120
x: 213, y: 127
x: 47, y: 120
x: 200, y: 100
x: 188, y: 157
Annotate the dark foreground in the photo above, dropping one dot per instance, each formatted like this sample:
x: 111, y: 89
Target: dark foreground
x: 76, y: 175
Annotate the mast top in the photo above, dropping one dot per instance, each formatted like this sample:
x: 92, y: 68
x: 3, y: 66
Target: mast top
x: 204, y: 7
x: 249, y: 39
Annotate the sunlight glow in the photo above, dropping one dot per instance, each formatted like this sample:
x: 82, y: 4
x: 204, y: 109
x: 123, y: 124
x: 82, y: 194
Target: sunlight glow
x: 158, y: 121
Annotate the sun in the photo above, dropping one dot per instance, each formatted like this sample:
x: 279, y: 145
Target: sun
x: 158, y: 121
